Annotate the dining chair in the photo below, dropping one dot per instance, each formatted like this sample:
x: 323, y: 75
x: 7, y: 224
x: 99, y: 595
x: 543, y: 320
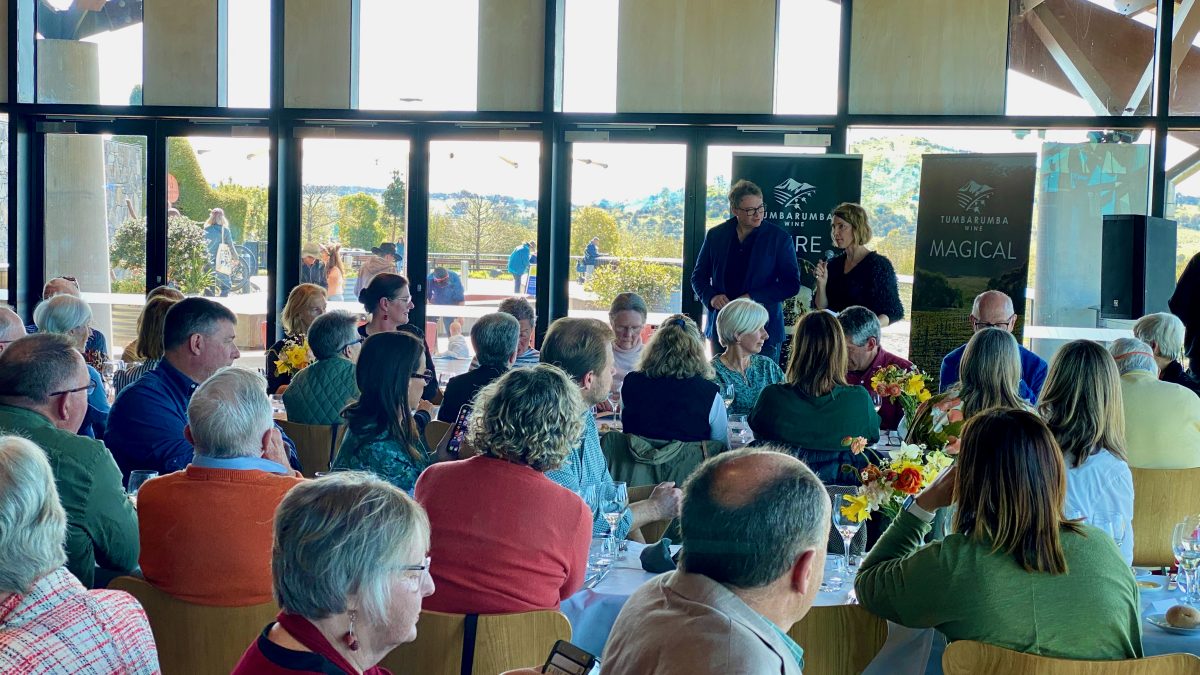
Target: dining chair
x: 859, y: 543
x: 965, y: 657
x: 1161, y: 498
x: 838, y: 640
x: 475, y: 644
x: 314, y: 445
x: 651, y: 532
x: 197, y: 639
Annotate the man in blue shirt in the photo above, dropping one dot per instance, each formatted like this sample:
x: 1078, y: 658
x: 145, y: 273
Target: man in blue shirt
x: 583, y: 348
x: 146, y: 422
x: 993, y: 309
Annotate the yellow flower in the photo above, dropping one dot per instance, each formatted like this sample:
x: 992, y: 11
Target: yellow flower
x: 925, y: 395
x: 915, y: 384
x: 857, y: 507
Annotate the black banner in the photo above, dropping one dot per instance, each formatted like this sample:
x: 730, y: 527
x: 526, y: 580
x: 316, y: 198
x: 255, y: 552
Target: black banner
x: 974, y: 220
x: 800, y: 192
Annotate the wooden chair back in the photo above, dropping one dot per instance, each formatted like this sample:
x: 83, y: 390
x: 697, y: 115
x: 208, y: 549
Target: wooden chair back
x: 314, y: 444
x: 965, y: 657
x: 839, y: 640
x: 1161, y: 498
x: 447, y: 644
x: 197, y: 639
x: 650, y: 532
x: 435, y: 431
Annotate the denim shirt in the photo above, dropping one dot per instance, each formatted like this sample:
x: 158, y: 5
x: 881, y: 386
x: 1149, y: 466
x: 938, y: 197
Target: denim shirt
x: 585, y: 466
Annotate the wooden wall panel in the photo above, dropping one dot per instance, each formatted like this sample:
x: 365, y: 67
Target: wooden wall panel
x: 696, y: 56
x: 929, y: 57
x: 318, y: 44
x: 182, y: 47
x: 511, y: 35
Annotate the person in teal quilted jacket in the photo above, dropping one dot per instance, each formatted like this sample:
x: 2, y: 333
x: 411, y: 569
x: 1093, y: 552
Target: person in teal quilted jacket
x: 319, y: 392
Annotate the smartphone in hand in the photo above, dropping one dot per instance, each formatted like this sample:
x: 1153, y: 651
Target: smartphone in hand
x: 567, y: 659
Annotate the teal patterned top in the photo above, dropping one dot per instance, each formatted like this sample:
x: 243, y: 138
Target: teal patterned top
x: 761, y: 372
x: 385, y: 457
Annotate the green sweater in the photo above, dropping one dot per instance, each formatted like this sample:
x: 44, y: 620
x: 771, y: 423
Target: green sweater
x: 961, y: 588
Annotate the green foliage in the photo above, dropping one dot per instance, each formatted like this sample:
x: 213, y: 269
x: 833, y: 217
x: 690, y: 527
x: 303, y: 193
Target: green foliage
x: 254, y: 227
x: 899, y: 247
x: 652, y: 281
x: 187, y: 255
x: 592, y: 221
x: 196, y: 196
x: 395, y: 197
x: 317, y: 212
x: 358, y: 221
x: 936, y: 291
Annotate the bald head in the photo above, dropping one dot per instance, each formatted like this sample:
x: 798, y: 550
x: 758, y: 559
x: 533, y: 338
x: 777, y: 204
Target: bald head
x: 11, y: 327
x: 59, y: 286
x: 748, y: 515
x: 993, y: 309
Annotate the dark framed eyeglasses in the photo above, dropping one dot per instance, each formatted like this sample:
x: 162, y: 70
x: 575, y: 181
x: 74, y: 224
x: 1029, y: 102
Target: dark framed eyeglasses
x: 983, y: 324
x: 750, y: 212
x: 417, y: 568
x: 348, y: 345
x: 426, y: 377
x: 90, y: 387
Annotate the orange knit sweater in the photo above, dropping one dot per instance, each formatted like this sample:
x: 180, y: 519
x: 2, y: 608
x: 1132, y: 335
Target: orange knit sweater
x: 206, y: 533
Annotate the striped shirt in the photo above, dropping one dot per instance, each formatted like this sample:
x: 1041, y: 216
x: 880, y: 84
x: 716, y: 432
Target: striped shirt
x: 60, y: 627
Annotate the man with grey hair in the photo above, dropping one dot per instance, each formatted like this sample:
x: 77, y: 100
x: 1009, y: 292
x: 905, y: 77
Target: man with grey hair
x: 11, y: 327
x: 495, y: 339
x: 1164, y: 333
x: 866, y: 356
x: 755, y: 527
x: 239, y: 473
x: 1162, y: 419
x: 523, y: 312
x: 994, y: 309
x: 319, y: 392
x: 44, y: 387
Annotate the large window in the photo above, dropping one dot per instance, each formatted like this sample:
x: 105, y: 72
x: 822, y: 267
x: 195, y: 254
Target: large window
x: 89, y: 52
x: 95, y: 225
x: 1183, y: 193
x: 249, y: 72
x: 806, y: 57
x: 627, y: 226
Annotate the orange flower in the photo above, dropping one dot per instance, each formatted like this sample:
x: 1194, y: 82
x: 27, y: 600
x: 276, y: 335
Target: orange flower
x: 955, y: 415
x: 871, y: 473
x: 951, y: 445
x: 909, y: 481
x: 893, y: 390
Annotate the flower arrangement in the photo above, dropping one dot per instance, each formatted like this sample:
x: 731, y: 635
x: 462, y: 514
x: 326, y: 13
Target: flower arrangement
x: 887, y: 482
x: 909, y: 386
x: 293, y: 357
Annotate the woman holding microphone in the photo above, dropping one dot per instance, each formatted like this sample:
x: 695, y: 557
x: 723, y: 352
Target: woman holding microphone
x: 858, y: 276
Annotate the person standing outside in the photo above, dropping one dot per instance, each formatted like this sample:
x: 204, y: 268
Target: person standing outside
x: 591, y: 256
x: 747, y: 256
x: 519, y: 262
x: 312, y: 269
x: 221, y: 253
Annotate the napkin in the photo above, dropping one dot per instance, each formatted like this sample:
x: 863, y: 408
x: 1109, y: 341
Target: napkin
x: 656, y: 558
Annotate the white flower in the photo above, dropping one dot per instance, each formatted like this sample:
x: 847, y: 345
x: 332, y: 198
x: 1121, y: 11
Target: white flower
x: 907, y: 451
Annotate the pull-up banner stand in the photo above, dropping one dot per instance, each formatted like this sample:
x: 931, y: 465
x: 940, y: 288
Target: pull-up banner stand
x: 974, y: 221
x: 800, y: 193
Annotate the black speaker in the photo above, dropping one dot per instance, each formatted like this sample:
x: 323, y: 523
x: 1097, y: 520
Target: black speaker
x: 1137, y: 266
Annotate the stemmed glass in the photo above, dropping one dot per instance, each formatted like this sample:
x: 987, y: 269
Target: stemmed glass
x: 847, y: 528
x: 1186, y: 541
x: 1181, y: 579
x: 876, y: 399
x: 614, y: 501
x: 728, y: 394
x: 1114, y: 524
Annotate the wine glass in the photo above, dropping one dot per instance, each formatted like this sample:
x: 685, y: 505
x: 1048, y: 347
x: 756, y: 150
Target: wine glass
x: 876, y: 399
x: 845, y: 527
x: 614, y: 501
x: 728, y: 395
x: 1114, y: 524
x: 137, y: 479
x: 1181, y: 580
x: 1189, y: 555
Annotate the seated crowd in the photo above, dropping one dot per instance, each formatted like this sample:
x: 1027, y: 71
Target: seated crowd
x: 502, y: 523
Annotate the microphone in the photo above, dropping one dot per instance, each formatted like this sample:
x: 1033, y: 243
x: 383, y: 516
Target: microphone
x: 829, y: 255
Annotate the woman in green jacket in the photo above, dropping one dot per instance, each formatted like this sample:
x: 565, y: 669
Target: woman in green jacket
x: 1014, y: 573
x: 815, y: 408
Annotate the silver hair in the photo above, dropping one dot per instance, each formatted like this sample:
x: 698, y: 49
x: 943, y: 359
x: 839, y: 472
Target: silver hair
x: 1131, y: 354
x: 332, y: 332
x: 1165, y: 331
x: 229, y: 413
x: 860, y: 324
x: 11, y: 325
x: 739, y: 317
x: 343, y: 536
x: 33, y: 525
x: 61, y: 314
x: 495, y: 339
x: 1009, y: 310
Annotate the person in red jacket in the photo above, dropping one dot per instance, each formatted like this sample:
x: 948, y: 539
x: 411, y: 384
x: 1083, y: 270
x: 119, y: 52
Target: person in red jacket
x: 505, y: 538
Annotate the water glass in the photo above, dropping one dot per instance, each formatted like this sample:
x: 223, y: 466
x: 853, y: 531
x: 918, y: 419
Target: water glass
x: 1114, y: 524
x: 600, y: 553
x: 138, y: 478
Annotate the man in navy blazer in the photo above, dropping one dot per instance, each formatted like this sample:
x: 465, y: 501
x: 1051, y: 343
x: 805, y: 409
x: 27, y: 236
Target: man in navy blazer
x: 747, y: 257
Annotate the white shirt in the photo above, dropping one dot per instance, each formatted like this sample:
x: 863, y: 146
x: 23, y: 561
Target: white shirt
x: 1103, y: 484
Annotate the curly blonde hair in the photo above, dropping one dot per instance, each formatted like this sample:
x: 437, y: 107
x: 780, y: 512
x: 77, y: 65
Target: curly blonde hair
x: 676, y: 350
x: 531, y: 416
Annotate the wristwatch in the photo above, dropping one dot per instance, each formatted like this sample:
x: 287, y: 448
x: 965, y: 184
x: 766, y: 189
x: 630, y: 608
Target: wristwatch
x: 914, y: 508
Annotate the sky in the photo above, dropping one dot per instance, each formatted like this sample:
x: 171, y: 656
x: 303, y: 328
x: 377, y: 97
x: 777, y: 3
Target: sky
x: 410, y: 49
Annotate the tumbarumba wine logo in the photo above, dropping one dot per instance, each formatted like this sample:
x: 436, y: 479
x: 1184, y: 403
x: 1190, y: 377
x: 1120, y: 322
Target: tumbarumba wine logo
x: 791, y: 193
x: 974, y: 196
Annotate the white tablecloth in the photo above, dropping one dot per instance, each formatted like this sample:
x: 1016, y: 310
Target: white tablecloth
x: 908, y: 651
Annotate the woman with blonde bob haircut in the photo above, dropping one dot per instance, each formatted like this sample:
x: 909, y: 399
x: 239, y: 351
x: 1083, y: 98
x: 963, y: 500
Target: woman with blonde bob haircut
x: 149, y: 341
x: 671, y: 395
x: 742, y: 329
x: 48, y: 621
x: 1081, y: 403
x: 858, y: 276
x: 1011, y: 555
x: 520, y: 542
x: 815, y: 408
x: 304, y: 304
x: 350, y: 566
x: 1164, y: 333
